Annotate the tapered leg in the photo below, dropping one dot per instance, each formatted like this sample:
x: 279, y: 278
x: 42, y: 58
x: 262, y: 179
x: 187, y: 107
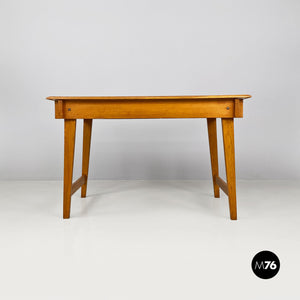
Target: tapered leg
x: 213, y: 147
x: 70, y: 131
x: 228, y: 139
x: 87, y: 132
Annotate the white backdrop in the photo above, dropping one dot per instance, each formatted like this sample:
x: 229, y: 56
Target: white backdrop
x: 157, y: 47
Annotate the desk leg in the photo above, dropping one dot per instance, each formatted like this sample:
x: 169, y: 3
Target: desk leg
x: 213, y: 146
x: 87, y: 132
x: 228, y: 139
x: 70, y: 131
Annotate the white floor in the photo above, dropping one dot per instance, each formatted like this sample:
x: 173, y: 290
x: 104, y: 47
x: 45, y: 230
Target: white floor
x: 147, y: 240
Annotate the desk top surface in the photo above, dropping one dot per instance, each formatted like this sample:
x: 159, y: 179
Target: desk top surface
x: 186, y: 97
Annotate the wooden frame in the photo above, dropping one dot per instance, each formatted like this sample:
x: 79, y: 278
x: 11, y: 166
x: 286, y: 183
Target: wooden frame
x: 226, y: 107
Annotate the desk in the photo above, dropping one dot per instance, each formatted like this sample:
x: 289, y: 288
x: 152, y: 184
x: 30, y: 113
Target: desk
x: 226, y: 107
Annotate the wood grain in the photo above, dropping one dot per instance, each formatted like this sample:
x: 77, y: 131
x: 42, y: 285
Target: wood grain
x: 87, y: 133
x: 59, y: 109
x: 183, y: 97
x: 70, y: 130
x: 238, y: 108
x: 222, y: 184
x: 213, y: 147
x: 78, y: 183
x: 228, y: 139
x: 148, y: 109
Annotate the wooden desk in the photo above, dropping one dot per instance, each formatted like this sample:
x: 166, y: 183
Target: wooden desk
x: 226, y: 107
